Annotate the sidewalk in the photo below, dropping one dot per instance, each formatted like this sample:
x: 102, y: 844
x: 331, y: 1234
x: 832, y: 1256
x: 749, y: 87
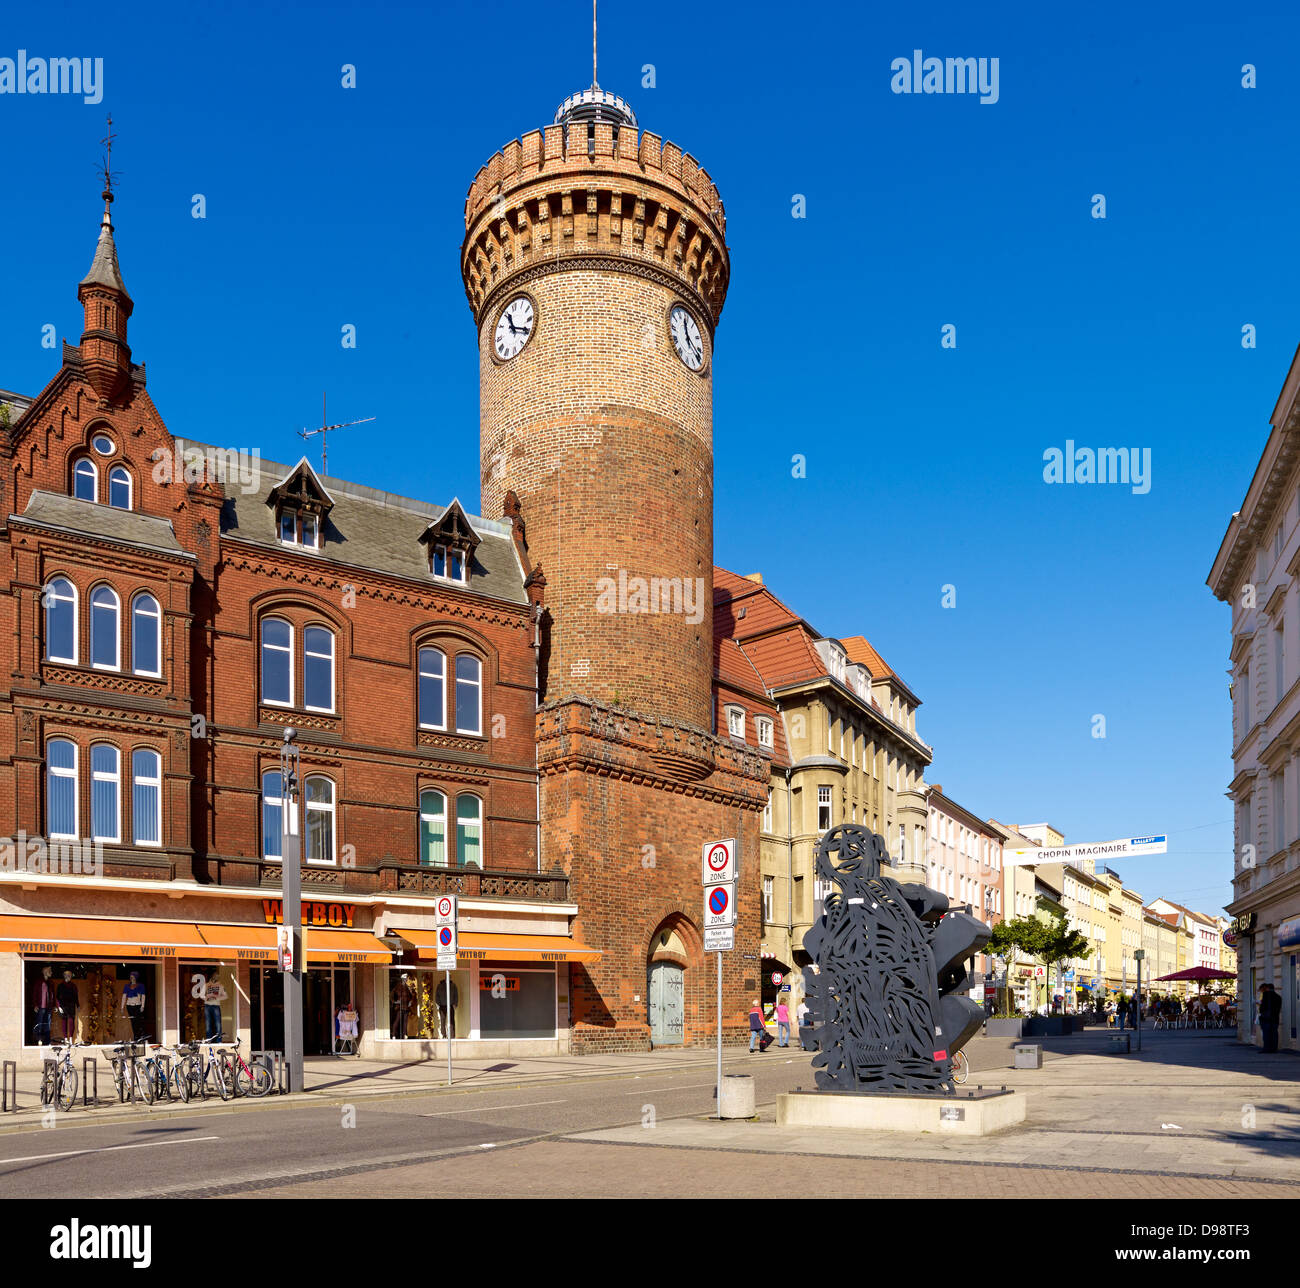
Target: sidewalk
x: 340, y: 1080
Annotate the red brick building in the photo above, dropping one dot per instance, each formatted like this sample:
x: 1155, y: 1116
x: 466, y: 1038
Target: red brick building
x: 169, y: 610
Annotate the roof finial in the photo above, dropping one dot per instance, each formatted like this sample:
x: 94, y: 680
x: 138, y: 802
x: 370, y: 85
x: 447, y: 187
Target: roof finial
x: 595, y: 84
x: 105, y: 169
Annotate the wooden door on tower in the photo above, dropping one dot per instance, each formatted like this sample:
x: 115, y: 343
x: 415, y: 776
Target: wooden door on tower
x: 667, y: 1004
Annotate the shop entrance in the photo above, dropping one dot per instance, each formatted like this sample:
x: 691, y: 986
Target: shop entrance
x: 324, y: 990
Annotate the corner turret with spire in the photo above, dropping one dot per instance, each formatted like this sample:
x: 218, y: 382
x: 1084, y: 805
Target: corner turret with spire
x: 105, y: 354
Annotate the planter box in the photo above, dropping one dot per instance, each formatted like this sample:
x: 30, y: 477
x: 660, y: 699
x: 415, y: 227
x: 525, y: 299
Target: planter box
x: 1004, y: 1028
x: 1048, y: 1026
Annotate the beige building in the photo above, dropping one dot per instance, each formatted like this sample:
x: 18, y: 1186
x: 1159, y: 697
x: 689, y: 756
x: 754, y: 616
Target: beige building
x: 1160, y: 945
x: 1256, y: 572
x: 849, y: 732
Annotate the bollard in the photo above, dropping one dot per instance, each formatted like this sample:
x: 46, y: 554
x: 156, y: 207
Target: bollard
x: 89, y: 1074
x: 737, y: 1096
x: 273, y: 1062
x: 8, y: 1077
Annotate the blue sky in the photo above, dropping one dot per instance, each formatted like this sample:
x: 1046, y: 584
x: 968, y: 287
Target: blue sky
x: 328, y: 206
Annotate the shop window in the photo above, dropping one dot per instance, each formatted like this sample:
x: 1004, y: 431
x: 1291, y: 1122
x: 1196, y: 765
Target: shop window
x: 146, y: 796
x: 318, y: 669
x: 85, y: 480
x: 207, y: 1001
x: 104, y: 638
x: 61, y: 621
x: 469, y: 690
x: 277, y: 662
x: 516, y: 1003
x: 320, y: 820
x: 417, y: 1004
x: 146, y: 636
x: 469, y: 832
x: 61, y: 788
x: 119, y: 488
x: 272, y: 816
x: 93, y: 997
x: 433, y: 689
x: 433, y: 829
x: 105, y: 793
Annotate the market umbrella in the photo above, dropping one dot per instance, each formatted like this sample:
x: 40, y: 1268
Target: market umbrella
x: 1199, y: 973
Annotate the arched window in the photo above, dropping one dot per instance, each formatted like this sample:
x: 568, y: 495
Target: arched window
x: 433, y: 829
x: 105, y: 793
x: 272, y: 815
x: 61, y: 788
x: 318, y: 669
x: 85, y: 480
x: 146, y: 796
x: 433, y: 689
x: 469, y: 832
x: 469, y: 690
x: 104, y: 638
x: 277, y: 662
x: 119, y: 488
x: 320, y: 820
x: 146, y: 636
x: 61, y: 621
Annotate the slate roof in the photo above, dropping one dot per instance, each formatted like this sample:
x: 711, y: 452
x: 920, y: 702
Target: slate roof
x: 367, y: 528
x: 103, y: 268
x: 68, y: 514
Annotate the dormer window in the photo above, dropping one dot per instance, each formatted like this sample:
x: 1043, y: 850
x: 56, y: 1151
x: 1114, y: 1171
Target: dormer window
x: 451, y: 541
x: 301, y: 503
x: 763, y: 727
x: 300, y: 528
x: 736, y: 722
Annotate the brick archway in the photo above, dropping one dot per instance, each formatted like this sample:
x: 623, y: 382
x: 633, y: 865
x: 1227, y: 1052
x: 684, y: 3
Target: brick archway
x: 677, y: 940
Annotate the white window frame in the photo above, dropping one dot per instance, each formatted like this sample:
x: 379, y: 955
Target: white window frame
x: 116, y: 664
x: 331, y: 809
x: 824, y: 802
x: 50, y: 595
x: 763, y: 726
x: 102, y: 776
x: 291, y: 515
x: 147, y: 781
x: 262, y: 646
x: 314, y: 520
x: 94, y: 477
x: 421, y: 673
x: 306, y: 653
x: 73, y: 773
x: 130, y: 487
x: 768, y: 884
x: 482, y: 829
x: 136, y: 601
x: 278, y: 801
x: 736, y: 722
x: 431, y: 818
x: 477, y: 731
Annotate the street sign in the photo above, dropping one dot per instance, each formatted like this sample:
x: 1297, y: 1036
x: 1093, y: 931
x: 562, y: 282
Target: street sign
x: 777, y: 977
x: 719, y: 939
x: 444, y: 916
x: 720, y: 905
x: 719, y: 862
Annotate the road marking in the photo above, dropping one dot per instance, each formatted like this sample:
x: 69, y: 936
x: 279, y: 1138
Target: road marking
x: 689, y: 1087
x: 488, y: 1109
x: 106, y: 1149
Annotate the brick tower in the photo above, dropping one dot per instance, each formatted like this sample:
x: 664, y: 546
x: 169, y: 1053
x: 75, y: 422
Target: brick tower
x: 595, y: 265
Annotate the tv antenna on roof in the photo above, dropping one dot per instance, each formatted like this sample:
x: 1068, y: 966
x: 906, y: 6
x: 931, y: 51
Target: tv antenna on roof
x: 324, y: 431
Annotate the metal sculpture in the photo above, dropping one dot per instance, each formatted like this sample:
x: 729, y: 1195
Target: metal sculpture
x: 886, y: 959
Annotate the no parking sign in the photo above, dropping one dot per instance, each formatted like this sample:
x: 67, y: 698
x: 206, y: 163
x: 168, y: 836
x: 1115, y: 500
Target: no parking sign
x: 720, y: 905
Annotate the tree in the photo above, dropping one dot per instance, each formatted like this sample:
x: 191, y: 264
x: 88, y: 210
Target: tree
x: 1050, y: 943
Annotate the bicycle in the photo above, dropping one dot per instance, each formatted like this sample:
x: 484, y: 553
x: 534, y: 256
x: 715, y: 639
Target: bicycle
x: 209, y: 1066
x: 59, y: 1081
x: 959, y: 1067
x: 157, y: 1084
x: 127, y: 1074
x: 247, y: 1080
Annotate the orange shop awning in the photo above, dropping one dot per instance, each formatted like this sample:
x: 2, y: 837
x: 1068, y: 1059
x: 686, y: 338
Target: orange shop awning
x: 476, y: 946
x: 102, y: 937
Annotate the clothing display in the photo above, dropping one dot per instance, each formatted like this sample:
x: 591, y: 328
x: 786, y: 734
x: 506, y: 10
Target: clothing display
x: 447, y: 1023
x: 133, y: 1001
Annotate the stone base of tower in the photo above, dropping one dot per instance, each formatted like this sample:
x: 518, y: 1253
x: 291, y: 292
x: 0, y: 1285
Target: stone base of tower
x: 627, y: 804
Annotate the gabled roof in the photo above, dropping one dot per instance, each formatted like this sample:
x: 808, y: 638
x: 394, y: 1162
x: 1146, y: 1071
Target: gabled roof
x: 736, y: 681
x: 452, y: 528
x: 860, y: 650
x: 301, y: 486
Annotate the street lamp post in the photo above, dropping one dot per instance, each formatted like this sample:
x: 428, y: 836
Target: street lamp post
x: 291, y: 909
x: 1138, y: 955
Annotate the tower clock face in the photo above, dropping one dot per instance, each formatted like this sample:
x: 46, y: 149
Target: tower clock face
x: 514, y: 327
x: 687, y: 340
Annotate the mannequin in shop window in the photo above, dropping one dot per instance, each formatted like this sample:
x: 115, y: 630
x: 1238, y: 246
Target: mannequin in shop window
x: 69, y: 1004
x: 348, y: 1029
x: 447, y: 1019
x: 213, y: 995
x: 43, y: 1005
x: 133, y: 1001
x: 401, y: 1003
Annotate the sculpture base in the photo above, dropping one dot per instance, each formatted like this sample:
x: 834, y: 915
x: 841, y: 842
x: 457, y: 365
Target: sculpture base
x: 975, y: 1113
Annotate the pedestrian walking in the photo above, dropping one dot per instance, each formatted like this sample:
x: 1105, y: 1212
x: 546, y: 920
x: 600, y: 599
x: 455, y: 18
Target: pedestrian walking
x: 782, y: 1022
x: 1270, y: 1013
x: 756, y: 1026
x: 801, y: 1014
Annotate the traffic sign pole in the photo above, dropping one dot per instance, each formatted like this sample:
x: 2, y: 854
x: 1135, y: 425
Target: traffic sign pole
x: 719, y: 1035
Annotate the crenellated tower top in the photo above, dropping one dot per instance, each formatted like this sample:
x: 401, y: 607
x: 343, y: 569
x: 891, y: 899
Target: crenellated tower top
x: 591, y: 186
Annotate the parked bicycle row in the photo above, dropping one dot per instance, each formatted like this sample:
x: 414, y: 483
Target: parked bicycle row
x: 151, y: 1072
